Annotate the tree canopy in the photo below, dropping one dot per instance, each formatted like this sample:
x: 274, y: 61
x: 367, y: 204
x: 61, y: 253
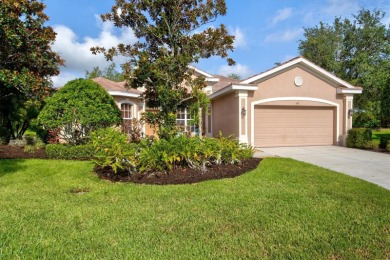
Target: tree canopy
x: 79, y: 108
x: 357, y: 51
x: 26, y: 63
x: 171, y: 35
x: 109, y: 73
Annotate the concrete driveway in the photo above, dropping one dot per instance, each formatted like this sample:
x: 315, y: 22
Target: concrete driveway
x: 370, y: 166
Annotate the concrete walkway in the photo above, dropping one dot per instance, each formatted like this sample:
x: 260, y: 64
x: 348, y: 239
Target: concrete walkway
x: 370, y: 166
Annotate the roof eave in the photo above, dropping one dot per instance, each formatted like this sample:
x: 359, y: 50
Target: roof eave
x: 231, y: 88
x: 124, y: 94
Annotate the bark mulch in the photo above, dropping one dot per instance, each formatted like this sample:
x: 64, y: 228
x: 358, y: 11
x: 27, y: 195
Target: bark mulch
x: 14, y: 152
x: 181, y: 175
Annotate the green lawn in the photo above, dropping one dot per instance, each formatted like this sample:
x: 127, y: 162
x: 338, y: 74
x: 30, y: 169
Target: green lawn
x: 376, y: 134
x: 283, y: 209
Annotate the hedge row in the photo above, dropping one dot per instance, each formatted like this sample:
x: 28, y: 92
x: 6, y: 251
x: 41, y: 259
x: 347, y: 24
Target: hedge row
x: 70, y: 152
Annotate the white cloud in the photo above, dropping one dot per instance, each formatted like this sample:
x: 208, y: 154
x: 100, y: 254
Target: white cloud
x: 281, y: 15
x: 285, y: 36
x: 77, y: 55
x: 239, y: 69
x: 240, y: 39
x: 337, y: 7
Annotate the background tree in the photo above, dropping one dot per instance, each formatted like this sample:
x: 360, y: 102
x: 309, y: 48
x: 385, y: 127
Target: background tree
x: 109, y: 73
x: 357, y: 51
x: 234, y: 76
x: 26, y: 62
x: 170, y: 38
x: 79, y: 108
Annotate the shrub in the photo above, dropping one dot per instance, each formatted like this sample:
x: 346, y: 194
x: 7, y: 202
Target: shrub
x: 384, y: 141
x: 359, y: 138
x: 111, y: 149
x: 80, y: 107
x: 69, y: 152
x: 29, y: 148
x: 388, y: 147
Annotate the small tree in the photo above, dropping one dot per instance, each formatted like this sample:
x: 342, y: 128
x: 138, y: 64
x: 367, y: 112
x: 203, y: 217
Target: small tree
x: 78, y: 108
x: 170, y: 38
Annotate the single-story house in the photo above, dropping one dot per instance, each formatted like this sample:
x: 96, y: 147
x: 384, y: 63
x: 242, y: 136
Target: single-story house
x: 296, y: 103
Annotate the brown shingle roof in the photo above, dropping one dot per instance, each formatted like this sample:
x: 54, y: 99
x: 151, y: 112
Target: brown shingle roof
x: 110, y: 85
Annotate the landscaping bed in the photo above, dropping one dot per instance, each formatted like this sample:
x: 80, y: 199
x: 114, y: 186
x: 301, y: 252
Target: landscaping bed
x: 181, y: 175
x: 13, y: 152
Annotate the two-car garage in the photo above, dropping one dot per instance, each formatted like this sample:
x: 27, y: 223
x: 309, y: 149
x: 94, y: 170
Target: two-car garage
x: 293, y: 125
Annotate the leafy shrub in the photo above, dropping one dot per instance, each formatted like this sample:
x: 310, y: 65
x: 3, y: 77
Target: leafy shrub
x: 30, y: 139
x: 111, y: 149
x: 388, y: 147
x: 69, y: 152
x: 77, y: 109
x: 29, y: 148
x: 384, y: 141
x: 359, y: 138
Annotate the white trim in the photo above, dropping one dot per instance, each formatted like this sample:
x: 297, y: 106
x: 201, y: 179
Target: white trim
x: 212, y: 79
x: 123, y: 94
x: 232, y: 88
x: 292, y: 63
x: 258, y: 102
x: 349, y: 91
x: 204, y: 73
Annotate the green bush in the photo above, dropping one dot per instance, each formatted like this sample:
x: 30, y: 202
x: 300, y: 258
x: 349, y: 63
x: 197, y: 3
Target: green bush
x: 69, y: 152
x: 111, y: 149
x: 384, y: 141
x: 359, y: 138
x: 79, y: 108
x: 388, y: 147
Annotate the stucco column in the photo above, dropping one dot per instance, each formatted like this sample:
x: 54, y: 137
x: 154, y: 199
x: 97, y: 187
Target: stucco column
x: 243, y: 116
x: 348, y: 113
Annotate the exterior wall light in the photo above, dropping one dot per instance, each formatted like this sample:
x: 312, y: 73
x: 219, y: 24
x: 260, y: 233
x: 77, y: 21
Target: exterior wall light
x: 243, y: 111
x: 350, y: 113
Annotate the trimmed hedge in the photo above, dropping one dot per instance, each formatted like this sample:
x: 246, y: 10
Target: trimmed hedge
x: 384, y: 141
x: 360, y: 138
x: 70, y: 152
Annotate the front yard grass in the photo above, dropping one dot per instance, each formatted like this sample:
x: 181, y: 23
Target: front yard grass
x: 283, y: 209
x: 376, y: 134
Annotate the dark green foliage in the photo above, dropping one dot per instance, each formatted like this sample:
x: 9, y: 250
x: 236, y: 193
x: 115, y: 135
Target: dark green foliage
x: 79, y: 108
x: 384, y: 141
x: 358, y: 51
x: 172, y: 34
x: 112, y: 150
x: 26, y: 64
x: 70, y: 152
x: 359, y: 138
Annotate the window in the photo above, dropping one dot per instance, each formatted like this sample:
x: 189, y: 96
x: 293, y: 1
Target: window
x: 127, y: 116
x: 184, y: 120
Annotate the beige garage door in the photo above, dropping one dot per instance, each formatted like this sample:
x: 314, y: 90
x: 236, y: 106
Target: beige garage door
x: 293, y: 126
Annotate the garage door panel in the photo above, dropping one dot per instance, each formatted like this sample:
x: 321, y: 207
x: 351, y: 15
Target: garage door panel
x: 293, y: 126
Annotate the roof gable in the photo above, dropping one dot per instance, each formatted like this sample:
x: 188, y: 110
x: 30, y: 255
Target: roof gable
x: 298, y: 61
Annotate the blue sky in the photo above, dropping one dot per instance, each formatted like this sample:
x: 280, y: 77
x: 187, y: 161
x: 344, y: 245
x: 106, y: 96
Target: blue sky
x: 267, y: 31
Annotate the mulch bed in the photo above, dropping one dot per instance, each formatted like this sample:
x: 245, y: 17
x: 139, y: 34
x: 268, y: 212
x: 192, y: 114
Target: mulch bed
x: 14, y: 152
x: 177, y: 176
x: 181, y: 175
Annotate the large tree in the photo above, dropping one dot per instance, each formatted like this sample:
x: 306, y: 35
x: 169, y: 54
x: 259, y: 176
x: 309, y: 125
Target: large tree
x: 26, y: 62
x: 358, y: 51
x: 171, y: 35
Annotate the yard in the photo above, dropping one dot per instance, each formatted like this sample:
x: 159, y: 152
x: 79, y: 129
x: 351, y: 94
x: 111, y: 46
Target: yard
x: 283, y: 209
x: 376, y: 134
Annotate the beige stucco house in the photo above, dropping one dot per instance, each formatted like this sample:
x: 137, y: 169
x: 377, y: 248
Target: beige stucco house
x: 296, y: 103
